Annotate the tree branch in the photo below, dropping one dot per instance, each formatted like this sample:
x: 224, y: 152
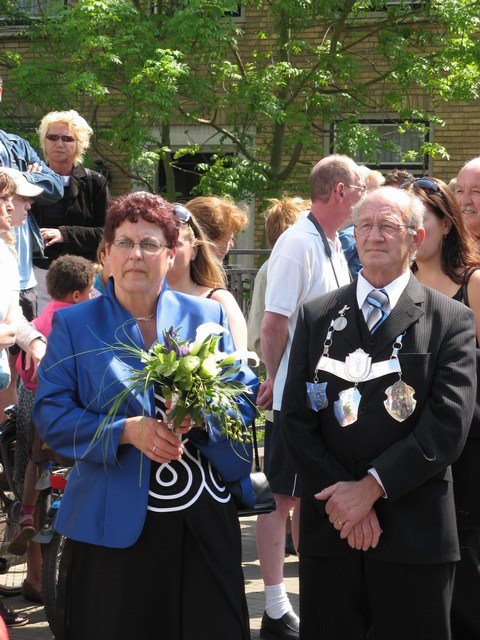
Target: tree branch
x: 225, y: 132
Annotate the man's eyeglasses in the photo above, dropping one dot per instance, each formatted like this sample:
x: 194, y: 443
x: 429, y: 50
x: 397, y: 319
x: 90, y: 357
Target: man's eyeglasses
x: 182, y: 213
x: 362, y: 189
x: 55, y: 138
x: 384, y: 228
x: 150, y: 247
x: 423, y: 183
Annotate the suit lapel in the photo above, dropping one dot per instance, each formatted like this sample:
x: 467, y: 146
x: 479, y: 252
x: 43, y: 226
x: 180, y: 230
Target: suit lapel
x: 407, y: 311
x: 350, y: 336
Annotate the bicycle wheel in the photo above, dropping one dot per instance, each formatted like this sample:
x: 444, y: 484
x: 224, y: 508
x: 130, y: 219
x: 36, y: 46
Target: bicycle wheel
x: 52, y: 553
x: 13, y: 569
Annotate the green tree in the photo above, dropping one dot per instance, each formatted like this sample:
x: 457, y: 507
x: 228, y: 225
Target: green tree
x: 270, y: 87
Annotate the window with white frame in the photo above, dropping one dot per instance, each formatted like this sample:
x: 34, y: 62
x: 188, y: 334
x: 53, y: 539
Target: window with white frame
x: 394, y: 140
x: 21, y: 9
x: 156, y: 7
x: 186, y: 174
x: 398, y: 4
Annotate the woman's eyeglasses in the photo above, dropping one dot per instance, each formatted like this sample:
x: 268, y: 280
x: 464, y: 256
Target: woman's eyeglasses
x: 53, y: 137
x: 150, y: 247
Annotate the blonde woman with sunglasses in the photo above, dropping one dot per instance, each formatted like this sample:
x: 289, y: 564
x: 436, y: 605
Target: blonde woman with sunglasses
x: 74, y: 224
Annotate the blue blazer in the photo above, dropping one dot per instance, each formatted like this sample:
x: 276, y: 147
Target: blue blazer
x: 105, y: 501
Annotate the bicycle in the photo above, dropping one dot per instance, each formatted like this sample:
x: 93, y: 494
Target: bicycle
x: 52, y: 542
x: 13, y: 568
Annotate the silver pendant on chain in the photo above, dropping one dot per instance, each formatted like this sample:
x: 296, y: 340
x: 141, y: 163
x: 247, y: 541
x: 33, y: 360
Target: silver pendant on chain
x: 340, y: 323
x: 317, y: 395
x: 400, y: 402
x: 346, y: 407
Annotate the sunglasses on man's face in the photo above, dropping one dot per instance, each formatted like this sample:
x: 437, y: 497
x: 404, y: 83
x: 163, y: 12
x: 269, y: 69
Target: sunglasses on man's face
x: 55, y: 138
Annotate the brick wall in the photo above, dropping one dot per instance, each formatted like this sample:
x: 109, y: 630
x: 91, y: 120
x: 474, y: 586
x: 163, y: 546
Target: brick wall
x: 461, y: 135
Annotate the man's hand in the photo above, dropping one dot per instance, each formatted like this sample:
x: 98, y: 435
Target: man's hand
x: 349, y: 502
x: 34, y: 168
x: 51, y: 236
x: 265, y: 395
x: 35, y: 352
x: 273, y: 343
x: 366, y: 534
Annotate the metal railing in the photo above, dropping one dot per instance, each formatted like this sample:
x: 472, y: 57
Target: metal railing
x: 242, y: 276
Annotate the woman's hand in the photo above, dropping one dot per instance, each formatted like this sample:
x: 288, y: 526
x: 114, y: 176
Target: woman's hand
x: 51, y: 236
x: 154, y: 438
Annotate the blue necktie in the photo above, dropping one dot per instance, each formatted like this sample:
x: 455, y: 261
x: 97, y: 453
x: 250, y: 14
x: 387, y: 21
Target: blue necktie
x: 378, y: 301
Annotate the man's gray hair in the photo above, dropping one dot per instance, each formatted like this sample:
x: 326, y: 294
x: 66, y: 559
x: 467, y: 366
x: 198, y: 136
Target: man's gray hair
x: 328, y: 172
x: 412, y: 208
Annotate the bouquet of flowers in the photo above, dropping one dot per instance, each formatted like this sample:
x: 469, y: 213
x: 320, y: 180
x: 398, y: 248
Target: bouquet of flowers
x: 194, y: 377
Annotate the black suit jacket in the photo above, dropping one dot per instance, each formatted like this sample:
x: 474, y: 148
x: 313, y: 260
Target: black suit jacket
x: 412, y: 457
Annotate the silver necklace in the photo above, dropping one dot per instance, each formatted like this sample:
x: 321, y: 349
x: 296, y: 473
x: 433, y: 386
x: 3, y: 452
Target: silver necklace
x: 144, y: 318
x: 189, y: 293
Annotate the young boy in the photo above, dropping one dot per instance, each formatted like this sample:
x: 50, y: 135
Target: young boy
x: 69, y: 281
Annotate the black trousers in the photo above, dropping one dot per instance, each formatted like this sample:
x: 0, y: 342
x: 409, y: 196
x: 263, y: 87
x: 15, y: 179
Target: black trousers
x: 356, y: 598
x: 466, y: 591
x: 182, y: 580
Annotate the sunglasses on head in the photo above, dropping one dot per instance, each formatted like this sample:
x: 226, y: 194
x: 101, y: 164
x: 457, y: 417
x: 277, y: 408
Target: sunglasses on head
x: 182, y: 213
x: 423, y: 183
x: 55, y: 137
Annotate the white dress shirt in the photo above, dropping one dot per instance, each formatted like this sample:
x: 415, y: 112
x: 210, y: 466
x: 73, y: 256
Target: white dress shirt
x: 394, y: 290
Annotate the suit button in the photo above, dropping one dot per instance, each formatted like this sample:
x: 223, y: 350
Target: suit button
x: 373, y: 343
x: 362, y: 412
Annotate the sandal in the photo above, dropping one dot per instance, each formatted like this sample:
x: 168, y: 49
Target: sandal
x: 30, y: 593
x: 12, y: 618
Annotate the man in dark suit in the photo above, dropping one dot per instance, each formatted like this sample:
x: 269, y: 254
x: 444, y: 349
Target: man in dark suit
x: 392, y: 364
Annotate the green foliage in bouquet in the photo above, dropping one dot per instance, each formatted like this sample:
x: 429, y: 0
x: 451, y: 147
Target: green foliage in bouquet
x: 196, y: 378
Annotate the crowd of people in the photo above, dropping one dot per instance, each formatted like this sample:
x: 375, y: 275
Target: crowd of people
x: 366, y: 317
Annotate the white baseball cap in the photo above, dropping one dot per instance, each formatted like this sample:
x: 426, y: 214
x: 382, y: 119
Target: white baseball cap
x: 22, y: 186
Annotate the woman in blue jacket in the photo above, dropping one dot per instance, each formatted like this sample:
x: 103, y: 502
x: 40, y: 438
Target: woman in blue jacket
x: 153, y: 535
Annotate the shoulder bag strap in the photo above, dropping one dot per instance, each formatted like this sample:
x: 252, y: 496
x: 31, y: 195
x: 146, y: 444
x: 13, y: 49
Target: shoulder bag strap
x: 326, y: 246
x: 255, y: 447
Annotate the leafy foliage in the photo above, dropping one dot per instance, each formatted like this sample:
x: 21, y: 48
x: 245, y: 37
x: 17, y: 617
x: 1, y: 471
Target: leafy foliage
x: 269, y: 88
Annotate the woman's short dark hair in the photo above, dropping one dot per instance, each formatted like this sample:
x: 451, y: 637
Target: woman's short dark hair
x: 67, y: 274
x: 148, y: 206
